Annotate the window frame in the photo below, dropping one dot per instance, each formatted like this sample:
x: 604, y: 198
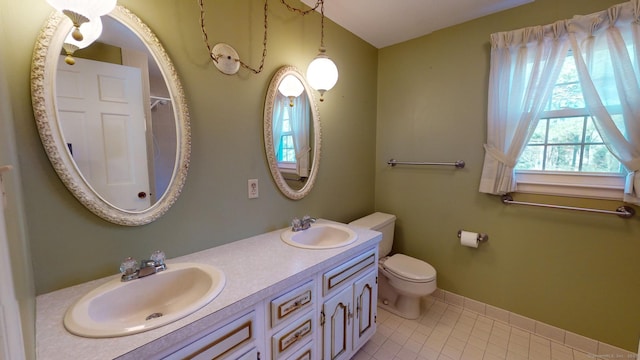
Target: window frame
x: 286, y: 166
x: 596, y: 185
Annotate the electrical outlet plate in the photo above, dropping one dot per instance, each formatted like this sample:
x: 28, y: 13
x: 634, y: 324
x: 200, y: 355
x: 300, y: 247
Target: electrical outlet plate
x: 253, y: 188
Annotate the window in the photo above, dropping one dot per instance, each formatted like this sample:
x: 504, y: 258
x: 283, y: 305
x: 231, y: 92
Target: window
x: 566, y: 149
x: 286, y: 151
x: 291, y: 135
x: 550, y: 88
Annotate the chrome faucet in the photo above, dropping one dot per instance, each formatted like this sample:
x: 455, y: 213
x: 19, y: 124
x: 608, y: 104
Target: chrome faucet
x: 302, y: 224
x: 130, y: 269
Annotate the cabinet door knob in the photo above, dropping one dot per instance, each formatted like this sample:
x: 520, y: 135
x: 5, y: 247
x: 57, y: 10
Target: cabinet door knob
x: 142, y: 194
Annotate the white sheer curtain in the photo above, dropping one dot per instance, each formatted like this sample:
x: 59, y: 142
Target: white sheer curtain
x: 300, y: 126
x: 606, y: 49
x: 524, y: 66
x: 278, y: 113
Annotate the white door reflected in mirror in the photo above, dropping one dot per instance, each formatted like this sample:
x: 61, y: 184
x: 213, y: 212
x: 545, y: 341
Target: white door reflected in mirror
x: 124, y: 154
x: 100, y: 109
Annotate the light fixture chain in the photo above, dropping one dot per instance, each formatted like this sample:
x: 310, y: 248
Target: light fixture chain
x: 244, y: 65
x: 321, y: 24
x: 319, y: 3
x: 264, y: 43
x: 204, y: 33
x: 300, y: 11
x: 214, y: 58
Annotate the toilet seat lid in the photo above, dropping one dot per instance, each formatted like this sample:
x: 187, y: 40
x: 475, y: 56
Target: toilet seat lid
x: 410, y: 268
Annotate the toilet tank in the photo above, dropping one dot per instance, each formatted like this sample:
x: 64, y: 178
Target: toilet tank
x: 385, y: 223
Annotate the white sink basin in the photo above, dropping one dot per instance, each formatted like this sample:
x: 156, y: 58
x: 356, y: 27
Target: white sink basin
x: 123, y: 308
x: 320, y: 236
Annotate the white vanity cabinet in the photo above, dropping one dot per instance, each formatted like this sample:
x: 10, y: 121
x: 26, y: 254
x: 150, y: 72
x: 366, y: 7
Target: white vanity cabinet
x: 329, y: 316
x: 348, y: 315
x: 343, y: 320
x: 280, y: 302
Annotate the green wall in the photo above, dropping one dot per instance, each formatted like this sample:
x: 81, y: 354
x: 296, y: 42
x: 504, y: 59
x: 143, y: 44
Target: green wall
x: 70, y: 245
x: 574, y: 270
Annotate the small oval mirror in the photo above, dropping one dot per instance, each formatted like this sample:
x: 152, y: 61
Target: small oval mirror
x: 115, y: 124
x: 292, y: 135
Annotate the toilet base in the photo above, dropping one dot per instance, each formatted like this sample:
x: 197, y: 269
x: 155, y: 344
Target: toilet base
x: 407, y: 307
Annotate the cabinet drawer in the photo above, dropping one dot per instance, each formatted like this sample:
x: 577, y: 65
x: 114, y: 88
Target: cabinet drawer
x: 293, y: 302
x: 332, y: 279
x: 222, y: 342
x: 293, y: 335
x: 305, y: 353
x: 252, y: 354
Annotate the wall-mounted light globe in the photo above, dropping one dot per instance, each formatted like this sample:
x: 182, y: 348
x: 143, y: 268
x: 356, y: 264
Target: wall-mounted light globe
x: 81, y: 11
x: 322, y: 73
x: 91, y: 31
x: 290, y: 87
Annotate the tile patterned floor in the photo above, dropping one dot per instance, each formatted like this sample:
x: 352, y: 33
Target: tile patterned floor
x: 449, y: 332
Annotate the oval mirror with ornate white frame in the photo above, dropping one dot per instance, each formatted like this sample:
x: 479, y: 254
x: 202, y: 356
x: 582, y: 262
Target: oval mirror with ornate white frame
x: 67, y: 139
x: 292, y: 134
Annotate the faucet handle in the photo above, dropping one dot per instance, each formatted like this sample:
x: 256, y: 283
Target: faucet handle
x: 128, y: 266
x: 158, y: 257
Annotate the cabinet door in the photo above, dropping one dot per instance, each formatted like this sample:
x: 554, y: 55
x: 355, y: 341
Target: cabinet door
x: 336, y: 326
x: 365, y: 293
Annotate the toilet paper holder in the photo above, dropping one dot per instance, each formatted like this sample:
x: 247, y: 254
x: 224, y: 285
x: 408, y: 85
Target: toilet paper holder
x: 481, y: 236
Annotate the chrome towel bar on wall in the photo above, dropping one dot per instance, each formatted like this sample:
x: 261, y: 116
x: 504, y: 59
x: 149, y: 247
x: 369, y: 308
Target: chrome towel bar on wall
x: 625, y: 212
x: 458, y: 164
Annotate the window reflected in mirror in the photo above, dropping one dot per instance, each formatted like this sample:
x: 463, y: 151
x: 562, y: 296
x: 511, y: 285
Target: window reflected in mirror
x: 292, y: 133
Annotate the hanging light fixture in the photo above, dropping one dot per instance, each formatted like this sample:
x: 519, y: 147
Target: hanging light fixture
x: 81, y: 11
x: 91, y: 30
x: 322, y: 73
x: 290, y: 87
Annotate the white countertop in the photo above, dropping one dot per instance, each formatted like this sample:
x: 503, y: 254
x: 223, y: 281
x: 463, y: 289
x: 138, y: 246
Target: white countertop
x: 255, y: 268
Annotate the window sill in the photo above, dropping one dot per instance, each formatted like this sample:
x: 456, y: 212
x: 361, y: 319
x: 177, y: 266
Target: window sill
x: 584, y: 185
x: 287, y: 167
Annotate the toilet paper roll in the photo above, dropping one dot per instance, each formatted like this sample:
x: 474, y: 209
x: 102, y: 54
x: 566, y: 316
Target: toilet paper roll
x: 468, y: 238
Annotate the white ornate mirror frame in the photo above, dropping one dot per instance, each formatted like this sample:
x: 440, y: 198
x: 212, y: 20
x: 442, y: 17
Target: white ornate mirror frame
x: 268, y: 134
x: 43, y: 72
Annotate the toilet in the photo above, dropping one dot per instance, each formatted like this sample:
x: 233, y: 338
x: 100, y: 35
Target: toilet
x: 404, y: 280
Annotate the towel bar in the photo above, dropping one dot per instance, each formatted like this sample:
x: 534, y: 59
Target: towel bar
x: 625, y: 212
x: 458, y: 164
